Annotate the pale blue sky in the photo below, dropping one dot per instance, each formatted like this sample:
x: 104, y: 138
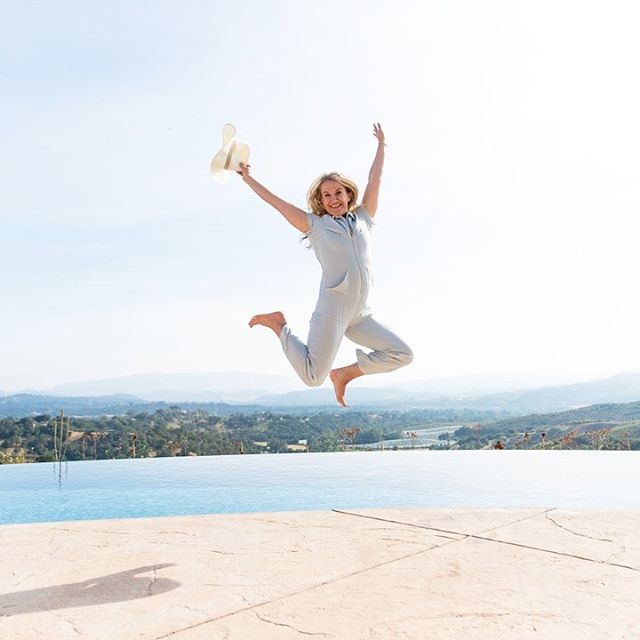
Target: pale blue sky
x: 508, y: 228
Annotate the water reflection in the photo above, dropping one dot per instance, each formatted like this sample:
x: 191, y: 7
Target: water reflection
x: 58, y: 474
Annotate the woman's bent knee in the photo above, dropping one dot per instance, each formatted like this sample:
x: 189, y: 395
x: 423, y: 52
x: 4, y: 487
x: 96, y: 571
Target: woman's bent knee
x: 314, y: 379
x: 404, y: 357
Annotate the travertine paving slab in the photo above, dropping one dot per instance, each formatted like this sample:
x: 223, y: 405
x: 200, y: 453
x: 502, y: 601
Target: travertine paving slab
x: 612, y: 537
x: 463, y: 521
x: 389, y: 573
x: 142, y: 578
x: 471, y: 589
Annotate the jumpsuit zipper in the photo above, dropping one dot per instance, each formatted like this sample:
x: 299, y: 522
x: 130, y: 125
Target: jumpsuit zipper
x: 355, y: 253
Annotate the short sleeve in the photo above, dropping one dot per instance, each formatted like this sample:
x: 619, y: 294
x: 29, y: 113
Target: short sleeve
x: 362, y: 213
x: 310, y: 221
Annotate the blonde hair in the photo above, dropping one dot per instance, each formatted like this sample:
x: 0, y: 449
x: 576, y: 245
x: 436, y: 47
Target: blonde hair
x: 314, y: 195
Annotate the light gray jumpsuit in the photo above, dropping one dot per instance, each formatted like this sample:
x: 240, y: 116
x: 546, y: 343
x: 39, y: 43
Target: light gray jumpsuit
x: 342, y: 246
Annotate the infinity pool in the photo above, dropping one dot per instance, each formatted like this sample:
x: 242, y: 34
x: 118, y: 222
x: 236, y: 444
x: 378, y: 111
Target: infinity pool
x: 260, y: 483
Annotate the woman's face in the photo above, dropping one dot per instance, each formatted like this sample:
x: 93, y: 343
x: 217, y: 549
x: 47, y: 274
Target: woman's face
x: 335, y: 198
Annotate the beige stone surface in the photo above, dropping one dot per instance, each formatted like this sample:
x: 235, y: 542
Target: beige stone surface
x: 568, y: 532
x: 388, y: 573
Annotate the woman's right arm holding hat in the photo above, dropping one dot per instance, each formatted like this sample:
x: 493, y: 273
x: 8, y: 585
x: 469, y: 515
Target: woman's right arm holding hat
x: 294, y: 216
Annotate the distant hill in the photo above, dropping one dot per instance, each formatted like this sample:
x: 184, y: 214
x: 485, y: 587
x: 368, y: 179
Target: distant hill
x: 600, y: 426
x: 241, y: 392
x: 26, y: 404
x: 318, y: 397
x: 23, y: 404
x: 597, y: 413
x: 231, y: 386
x: 620, y: 388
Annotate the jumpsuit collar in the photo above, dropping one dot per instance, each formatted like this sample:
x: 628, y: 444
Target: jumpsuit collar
x: 344, y: 223
x: 350, y: 215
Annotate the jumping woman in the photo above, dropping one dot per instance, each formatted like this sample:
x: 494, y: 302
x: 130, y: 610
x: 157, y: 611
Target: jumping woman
x: 340, y: 233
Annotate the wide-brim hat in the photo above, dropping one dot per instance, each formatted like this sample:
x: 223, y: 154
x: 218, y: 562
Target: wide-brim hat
x: 230, y: 156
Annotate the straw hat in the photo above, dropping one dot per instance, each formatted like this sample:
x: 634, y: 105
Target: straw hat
x: 230, y: 156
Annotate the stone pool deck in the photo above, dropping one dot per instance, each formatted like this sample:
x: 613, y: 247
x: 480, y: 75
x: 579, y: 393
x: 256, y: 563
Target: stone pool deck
x: 375, y: 574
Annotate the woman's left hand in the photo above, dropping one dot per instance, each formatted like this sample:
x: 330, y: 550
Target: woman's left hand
x: 378, y: 132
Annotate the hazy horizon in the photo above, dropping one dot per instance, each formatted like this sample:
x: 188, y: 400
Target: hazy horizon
x: 231, y: 383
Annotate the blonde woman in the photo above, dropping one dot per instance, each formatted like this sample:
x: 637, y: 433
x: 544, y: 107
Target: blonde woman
x: 339, y: 231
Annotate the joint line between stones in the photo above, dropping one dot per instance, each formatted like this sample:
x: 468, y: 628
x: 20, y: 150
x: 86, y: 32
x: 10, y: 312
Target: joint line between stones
x: 294, y: 593
x: 480, y: 537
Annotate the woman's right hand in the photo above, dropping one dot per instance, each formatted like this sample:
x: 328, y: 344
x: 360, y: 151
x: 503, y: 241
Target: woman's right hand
x: 244, y: 170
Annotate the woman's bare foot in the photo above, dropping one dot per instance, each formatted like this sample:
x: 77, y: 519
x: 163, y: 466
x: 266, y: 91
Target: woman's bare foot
x: 341, y: 378
x: 275, y: 321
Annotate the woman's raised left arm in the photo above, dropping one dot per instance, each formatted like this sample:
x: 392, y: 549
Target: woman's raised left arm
x: 370, y: 198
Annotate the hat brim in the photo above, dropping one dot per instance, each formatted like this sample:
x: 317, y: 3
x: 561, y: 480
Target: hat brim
x: 230, y: 157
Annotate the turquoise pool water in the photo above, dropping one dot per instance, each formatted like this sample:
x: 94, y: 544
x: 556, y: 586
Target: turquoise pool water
x: 260, y: 483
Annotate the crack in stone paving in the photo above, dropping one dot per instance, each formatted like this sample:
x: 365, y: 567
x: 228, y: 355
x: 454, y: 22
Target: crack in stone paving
x: 617, y: 552
x: 288, y: 626
x: 495, y: 540
x: 461, y: 537
x: 294, y: 593
x: 510, y: 524
x: 413, y: 542
x: 71, y: 623
x: 575, y: 533
x: 76, y: 630
x: 152, y: 582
